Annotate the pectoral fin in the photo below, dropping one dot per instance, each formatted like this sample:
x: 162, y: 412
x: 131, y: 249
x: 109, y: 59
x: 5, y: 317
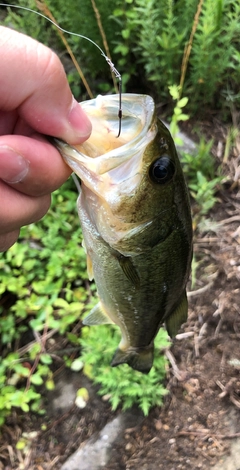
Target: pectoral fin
x: 97, y: 316
x: 179, y: 316
x: 89, y: 268
x: 129, y: 270
x: 89, y: 263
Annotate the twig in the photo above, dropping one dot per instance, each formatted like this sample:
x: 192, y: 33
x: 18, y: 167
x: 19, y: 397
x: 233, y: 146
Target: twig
x: 41, y: 5
x: 104, y: 39
x: 201, y: 290
x: 53, y: 424
x: 203, y: 431
x: 188, y: 47
x: 179, y: 374
x: 53, y: 462
x: 11, y: 455
x: 219, y: 326
x: 196, y: 345
x: 235, y: 218
x: 202, y: 330
x: 26, y: 348
x: 204, y: 240
x: 223, y: 388
x: 60, y: 352
x: 204, y: 288
x: 185, y: 335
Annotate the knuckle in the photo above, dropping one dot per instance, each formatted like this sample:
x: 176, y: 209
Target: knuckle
x: 51, y: 67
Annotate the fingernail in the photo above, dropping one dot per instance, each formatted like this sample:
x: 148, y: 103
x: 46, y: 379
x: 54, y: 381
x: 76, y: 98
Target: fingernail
x: 79, y: 121
x: 13, y: 167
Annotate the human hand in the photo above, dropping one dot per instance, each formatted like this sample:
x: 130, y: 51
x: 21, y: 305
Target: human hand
x: 35, y: 100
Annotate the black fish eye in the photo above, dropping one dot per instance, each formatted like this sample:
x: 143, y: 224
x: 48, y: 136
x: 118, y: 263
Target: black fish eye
x: 162, y: 170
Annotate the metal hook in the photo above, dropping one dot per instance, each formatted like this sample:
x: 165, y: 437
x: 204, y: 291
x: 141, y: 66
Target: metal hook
x: 117, y: 75
x: 120, y: 106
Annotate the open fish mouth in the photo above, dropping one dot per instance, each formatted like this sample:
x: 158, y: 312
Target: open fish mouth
x: 104, y: 152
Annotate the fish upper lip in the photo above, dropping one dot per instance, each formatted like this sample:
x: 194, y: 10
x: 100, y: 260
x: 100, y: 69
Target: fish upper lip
x: 138, y: 112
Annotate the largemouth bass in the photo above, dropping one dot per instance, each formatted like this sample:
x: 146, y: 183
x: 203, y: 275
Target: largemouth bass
x: 135, y: 215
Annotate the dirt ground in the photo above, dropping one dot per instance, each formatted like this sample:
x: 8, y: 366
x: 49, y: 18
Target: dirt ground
x: 201, y: 414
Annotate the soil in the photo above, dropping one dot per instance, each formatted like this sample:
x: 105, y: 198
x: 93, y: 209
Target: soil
x: 201, y: 414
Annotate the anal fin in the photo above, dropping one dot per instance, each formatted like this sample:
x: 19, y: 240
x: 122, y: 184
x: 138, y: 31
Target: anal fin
x: 97, y: 316
x: 89, y: 262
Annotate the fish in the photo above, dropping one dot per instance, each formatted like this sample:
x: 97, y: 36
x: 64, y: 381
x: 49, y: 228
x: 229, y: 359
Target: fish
x: 136, y: 222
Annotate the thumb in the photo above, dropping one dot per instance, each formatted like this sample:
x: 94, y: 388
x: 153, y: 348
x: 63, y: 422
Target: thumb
x: 41, y: 92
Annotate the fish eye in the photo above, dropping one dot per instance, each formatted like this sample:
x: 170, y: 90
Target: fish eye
x: 162, y: 170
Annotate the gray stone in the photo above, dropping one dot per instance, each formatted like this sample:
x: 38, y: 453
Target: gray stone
x: 97, y: 451
x: 66, y: 395
x: 232, y: 462
x: 187, y: 146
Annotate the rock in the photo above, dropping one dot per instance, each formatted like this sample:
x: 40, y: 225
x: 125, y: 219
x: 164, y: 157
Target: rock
x: 187, y: 146
x: 66, y: 395
x: 233, y: 461
x: 97, y: 451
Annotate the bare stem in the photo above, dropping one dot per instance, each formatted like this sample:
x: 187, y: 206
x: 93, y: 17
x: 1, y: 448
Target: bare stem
x: 188, y: 46
x: 41, y: 5
x: 104, y: 39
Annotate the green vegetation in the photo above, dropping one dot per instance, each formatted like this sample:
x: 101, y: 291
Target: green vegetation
x: 122, y: 384
x: 192, y: 42
x: 44, y: 287
x: 44, y: 290
x: 199, y: 168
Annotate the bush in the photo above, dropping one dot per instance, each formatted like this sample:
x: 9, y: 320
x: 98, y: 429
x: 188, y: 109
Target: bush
x: 44, y: 290
x: 149, y: 40
x: 121, y: 384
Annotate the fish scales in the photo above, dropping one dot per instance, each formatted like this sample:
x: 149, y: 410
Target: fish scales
x: 136, y: 222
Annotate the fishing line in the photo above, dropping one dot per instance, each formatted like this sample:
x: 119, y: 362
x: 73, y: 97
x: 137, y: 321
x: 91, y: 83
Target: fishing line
x: 108, y: 60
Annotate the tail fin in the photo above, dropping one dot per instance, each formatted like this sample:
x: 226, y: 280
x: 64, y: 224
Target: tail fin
x: 140, y: 359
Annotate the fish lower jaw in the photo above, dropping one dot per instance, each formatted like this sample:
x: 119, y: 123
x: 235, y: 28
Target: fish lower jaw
x: 140, y: 359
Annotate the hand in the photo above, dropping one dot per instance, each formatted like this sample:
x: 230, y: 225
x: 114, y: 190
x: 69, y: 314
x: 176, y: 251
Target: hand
x: 35, y: 100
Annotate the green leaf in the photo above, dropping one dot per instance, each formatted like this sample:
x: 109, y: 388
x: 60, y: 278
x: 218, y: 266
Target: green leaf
x: 46, y: 359
x: 36, y: 379
x: 50, y: 385
x: 125, y: 33
x: 61, y: 303
x: 182, y: 102
x: 121, y: 384
x: 21, y: 444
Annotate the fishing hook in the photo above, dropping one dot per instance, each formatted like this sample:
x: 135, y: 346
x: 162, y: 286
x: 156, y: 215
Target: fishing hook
x: 118, y: 76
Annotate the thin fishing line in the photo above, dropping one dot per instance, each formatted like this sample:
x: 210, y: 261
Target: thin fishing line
x: 111, y: 65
